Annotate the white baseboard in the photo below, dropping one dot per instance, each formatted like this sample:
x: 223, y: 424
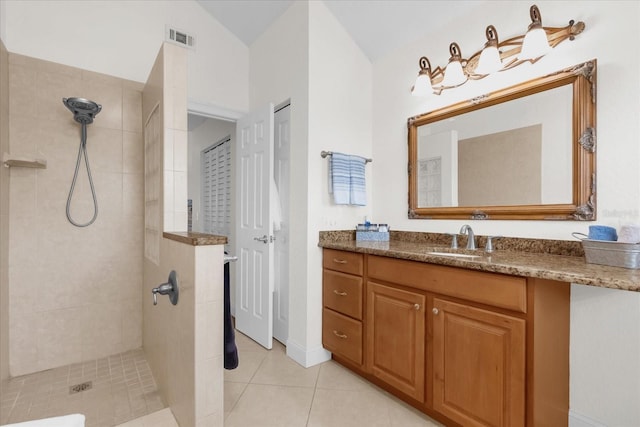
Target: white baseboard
x: 307, y: 357
x: 579, y: 420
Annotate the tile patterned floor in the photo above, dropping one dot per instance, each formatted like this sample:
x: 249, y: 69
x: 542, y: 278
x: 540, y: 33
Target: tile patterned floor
x: 270, y: 389
x: 123, y: 389
x: 267, y: 389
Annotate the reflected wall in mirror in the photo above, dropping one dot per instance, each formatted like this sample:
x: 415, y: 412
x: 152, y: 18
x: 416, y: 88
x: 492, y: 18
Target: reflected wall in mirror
x: 525, y: 152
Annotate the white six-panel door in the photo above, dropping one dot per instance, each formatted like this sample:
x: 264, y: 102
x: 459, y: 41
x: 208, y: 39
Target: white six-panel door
x: 254, y: 226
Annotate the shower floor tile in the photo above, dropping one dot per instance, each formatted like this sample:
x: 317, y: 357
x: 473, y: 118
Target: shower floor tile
x: 121, y: 388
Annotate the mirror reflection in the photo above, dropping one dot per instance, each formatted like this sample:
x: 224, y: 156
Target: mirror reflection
x: 523, y: 158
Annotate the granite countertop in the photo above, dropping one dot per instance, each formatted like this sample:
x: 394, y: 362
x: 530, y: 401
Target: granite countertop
x: 546, y: 259
x: 195, y: 239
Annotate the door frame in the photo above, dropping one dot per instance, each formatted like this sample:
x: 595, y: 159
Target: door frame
x: 214, y: 111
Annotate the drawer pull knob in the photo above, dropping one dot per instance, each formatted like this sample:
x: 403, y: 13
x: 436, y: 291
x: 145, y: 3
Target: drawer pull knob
x: 339, y: 334
x: 435, y: 311
x: 339, y: 261
x: 337, y: 292
x: 416, y: 306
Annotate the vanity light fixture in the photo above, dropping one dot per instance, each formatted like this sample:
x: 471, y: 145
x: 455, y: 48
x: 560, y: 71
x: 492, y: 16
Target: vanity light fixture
x: 495, y: 56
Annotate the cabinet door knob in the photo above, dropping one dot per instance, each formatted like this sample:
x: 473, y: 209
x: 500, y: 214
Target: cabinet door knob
x: 435, y: 311
x: 416, y: 306
x: 339, y: 261
x: 339, y: 334
x: 341, y: 293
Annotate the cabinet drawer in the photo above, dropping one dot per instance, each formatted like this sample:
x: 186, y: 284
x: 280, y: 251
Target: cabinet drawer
x: 342, y: 335
x: 499, y: 290
x: 346, y: 262
x: 342, y: 293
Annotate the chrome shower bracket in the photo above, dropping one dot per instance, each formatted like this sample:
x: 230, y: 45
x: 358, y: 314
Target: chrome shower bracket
x: 170, y: 288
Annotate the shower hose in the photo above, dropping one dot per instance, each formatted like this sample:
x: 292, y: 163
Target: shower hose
x: 82, y: 150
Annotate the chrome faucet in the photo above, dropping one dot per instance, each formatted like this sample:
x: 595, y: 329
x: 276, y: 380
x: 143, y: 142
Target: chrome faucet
x: 471, y: 238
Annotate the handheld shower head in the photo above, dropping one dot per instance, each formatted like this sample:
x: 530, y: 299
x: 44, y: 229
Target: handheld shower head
x: 83, y: 110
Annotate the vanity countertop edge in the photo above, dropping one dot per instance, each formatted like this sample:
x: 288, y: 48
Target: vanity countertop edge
x: 569, y: 267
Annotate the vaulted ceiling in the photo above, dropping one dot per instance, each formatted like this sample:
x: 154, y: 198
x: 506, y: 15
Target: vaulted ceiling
x: 377, y: 26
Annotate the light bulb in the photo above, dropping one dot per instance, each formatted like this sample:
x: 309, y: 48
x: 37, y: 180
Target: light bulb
x: 453, y: 75
x: 489, y: 61
x: 535, y: 44
x: 422, y: 86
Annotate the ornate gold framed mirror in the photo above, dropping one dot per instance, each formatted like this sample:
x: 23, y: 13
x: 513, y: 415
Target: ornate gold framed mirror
x: 524, y: 152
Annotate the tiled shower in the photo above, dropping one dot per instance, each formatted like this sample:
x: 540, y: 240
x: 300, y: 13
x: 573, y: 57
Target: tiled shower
x: 70, y: 296
x: 74, y: 293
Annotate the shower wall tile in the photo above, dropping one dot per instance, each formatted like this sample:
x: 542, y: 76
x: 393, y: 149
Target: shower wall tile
x: 23, y: 346
x: 21, y: 129
x: 23, y: 91
x: 75, y: 292
x: 104, y: 149
x: 110, y: 97
x: 133, y: 197
x: 168, y: 149
x: 132, y: 152
x: 169, y: 192
x: 59, y: 340
x: 180, y: 150
x: 132, y: 110
x: 180, y: 192
x: 4, y: 216
x: 50, y: 89
x: 23, y: 191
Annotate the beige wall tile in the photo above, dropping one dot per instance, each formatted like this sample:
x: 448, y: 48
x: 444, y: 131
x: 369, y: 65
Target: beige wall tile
x: 132, y: 152
x: 23, y: 192
x: 133, y: 197
x: 104, y: 149
x: 23, y: 345
x: 22, y: 90
x: 132, y: 110
x: 50, y: 89
x: 86, y: 281
x: 110, y: 97
x: 209, y: 330
x: 59, y: 337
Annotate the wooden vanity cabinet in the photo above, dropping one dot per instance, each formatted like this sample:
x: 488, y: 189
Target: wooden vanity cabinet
x: 396, y: 338
x: 478, y: 365
x: 342, y: 298
x: 466, y: 347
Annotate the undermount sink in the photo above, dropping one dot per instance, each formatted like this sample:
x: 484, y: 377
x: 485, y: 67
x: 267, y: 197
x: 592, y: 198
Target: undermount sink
x: 453, y: 254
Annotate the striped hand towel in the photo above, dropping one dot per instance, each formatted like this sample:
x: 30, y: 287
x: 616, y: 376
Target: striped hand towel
x: 339, y: 176
x: 358, y: 188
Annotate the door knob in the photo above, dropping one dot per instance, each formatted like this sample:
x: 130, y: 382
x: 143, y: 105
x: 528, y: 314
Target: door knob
x: 435, y: 311
x: 263, y: 239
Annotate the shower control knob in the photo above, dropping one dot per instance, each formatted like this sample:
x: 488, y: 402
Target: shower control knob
x: 170, y: 288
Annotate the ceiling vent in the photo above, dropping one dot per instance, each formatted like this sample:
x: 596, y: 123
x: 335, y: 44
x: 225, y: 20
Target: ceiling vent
x: 179, y: 37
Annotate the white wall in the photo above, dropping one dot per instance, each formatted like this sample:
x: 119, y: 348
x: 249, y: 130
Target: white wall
x: 605, y: 324
x: 330, y: 94
x: 121, y: 38
x: 273, y: 56
x: 340, y: 114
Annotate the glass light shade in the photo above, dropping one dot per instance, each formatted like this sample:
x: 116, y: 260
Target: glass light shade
x: 535, y: 44
x: 453, y: 75
x: 489, y: 61
x: 422, y: 86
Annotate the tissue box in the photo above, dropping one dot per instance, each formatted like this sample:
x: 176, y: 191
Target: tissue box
x: 372, y: 236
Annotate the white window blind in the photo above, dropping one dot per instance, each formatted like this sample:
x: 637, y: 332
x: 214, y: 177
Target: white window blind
x: 216, y: 188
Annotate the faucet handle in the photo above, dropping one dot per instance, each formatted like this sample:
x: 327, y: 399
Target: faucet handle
x: 489, y: 246
x: 454, y: 240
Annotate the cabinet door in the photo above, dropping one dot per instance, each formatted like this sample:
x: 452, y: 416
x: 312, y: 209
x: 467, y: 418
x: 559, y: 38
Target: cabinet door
x: 479, y: 365
x: 396, y: 338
